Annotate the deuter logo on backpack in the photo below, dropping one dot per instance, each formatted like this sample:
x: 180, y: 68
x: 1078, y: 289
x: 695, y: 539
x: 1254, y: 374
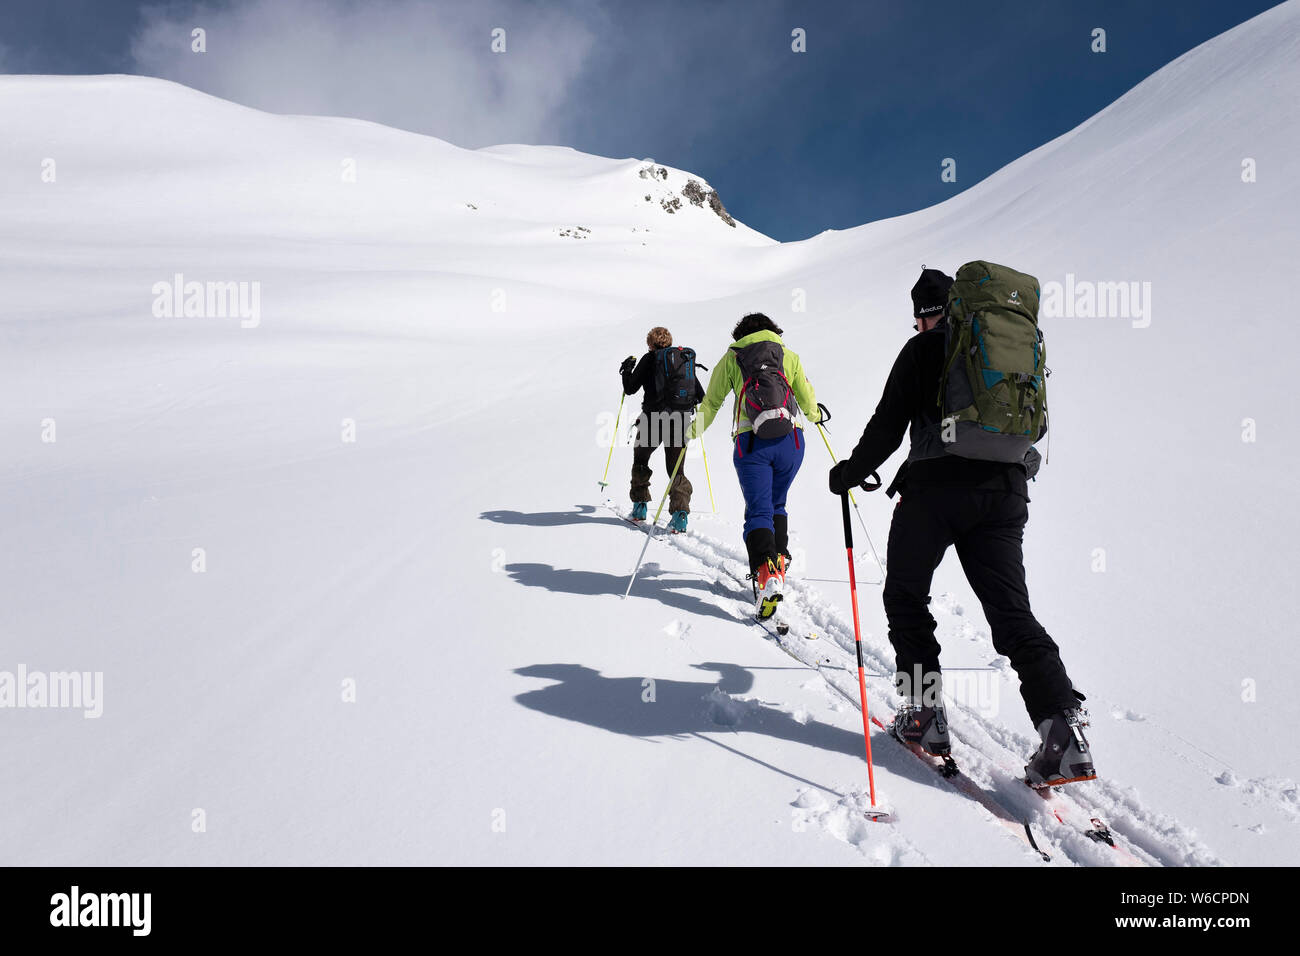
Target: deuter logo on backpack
x: 766, y: 399
x: 675, y: 378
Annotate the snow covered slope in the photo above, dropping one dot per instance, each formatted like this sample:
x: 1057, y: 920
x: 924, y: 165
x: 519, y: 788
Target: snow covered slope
x: 404, y: 642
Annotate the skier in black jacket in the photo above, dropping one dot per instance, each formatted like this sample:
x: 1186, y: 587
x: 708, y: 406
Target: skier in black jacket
x: 659, y: 424
x: 981, y: 508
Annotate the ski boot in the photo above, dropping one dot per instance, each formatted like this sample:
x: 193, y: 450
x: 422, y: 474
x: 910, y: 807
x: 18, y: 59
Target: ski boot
x: 639, y: 511
x: 781, y: 534
x: 678, y: 524
x: 769, y: 582
x: 1064, y: 755
x: 924, y: 726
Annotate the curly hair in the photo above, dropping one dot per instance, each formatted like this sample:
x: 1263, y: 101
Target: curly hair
x: 659, y: 338
x: 754, y: 322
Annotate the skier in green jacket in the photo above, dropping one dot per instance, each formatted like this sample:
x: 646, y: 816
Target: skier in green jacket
x: 772, y: 393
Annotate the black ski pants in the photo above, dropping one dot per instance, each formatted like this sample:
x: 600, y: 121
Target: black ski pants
x: 986, y: 527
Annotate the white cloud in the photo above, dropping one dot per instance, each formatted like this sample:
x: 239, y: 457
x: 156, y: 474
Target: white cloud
x: 419, y: 66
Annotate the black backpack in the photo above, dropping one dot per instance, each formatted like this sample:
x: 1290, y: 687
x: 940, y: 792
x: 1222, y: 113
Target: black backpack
x: 675, y: 378
x: 767, y: 400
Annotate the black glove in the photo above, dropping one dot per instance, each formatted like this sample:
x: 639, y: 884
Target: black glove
x: 629, y: 363
x: 826, y: 414
x: 840, y: 484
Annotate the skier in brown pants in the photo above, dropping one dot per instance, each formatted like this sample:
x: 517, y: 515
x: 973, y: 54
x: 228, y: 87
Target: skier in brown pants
x: 672, y: 390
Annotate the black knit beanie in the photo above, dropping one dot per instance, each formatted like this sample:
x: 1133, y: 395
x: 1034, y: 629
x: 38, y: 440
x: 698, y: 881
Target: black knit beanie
x: 930, y: 294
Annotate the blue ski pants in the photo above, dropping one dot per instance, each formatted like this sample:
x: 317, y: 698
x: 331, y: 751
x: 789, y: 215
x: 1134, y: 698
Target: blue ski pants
x: 766, y: 470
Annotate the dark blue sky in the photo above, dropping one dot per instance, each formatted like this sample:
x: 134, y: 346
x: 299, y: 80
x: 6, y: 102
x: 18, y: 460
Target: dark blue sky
x: 851, y: 131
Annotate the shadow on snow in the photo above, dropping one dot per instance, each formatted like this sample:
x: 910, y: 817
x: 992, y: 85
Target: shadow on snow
x: 652, y: 583
x: 582, y: 514
x: 679, y: 709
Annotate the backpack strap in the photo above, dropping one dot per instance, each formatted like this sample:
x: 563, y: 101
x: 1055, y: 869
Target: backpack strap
x: 947, y: 371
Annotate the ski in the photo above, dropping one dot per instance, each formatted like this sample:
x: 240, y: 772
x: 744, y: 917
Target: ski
x: 1095, y: 829
x: 1101, y: 833
x: 947, y: 768
x: 777, y: 628
x: 1029, y: 835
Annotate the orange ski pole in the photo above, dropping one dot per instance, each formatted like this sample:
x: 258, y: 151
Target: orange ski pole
x: 875, y: 813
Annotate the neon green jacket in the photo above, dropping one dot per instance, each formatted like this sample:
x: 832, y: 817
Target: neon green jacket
x: 726, y: 378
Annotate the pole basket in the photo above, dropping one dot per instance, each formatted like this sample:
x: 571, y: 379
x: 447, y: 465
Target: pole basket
x: 880, y: 815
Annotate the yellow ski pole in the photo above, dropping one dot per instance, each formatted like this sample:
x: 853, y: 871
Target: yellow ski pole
x: 880, y: 564
x: 650, y: 531
x: 604, y: 482
x: 713, y: 503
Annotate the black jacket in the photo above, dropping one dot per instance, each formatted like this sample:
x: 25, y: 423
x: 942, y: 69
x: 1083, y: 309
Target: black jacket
x: 911, y: 399
x: 643, y: 377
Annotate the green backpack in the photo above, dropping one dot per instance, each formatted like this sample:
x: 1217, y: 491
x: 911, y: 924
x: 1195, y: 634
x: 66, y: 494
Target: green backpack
x: 993, y: 394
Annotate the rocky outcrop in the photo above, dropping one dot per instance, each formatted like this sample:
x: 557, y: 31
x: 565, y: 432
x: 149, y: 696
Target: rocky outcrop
x: 700, y: 196
x: 694, y: 192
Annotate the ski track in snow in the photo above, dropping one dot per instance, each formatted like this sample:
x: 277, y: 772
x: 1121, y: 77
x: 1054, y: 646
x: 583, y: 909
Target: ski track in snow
x: 989, y: 754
